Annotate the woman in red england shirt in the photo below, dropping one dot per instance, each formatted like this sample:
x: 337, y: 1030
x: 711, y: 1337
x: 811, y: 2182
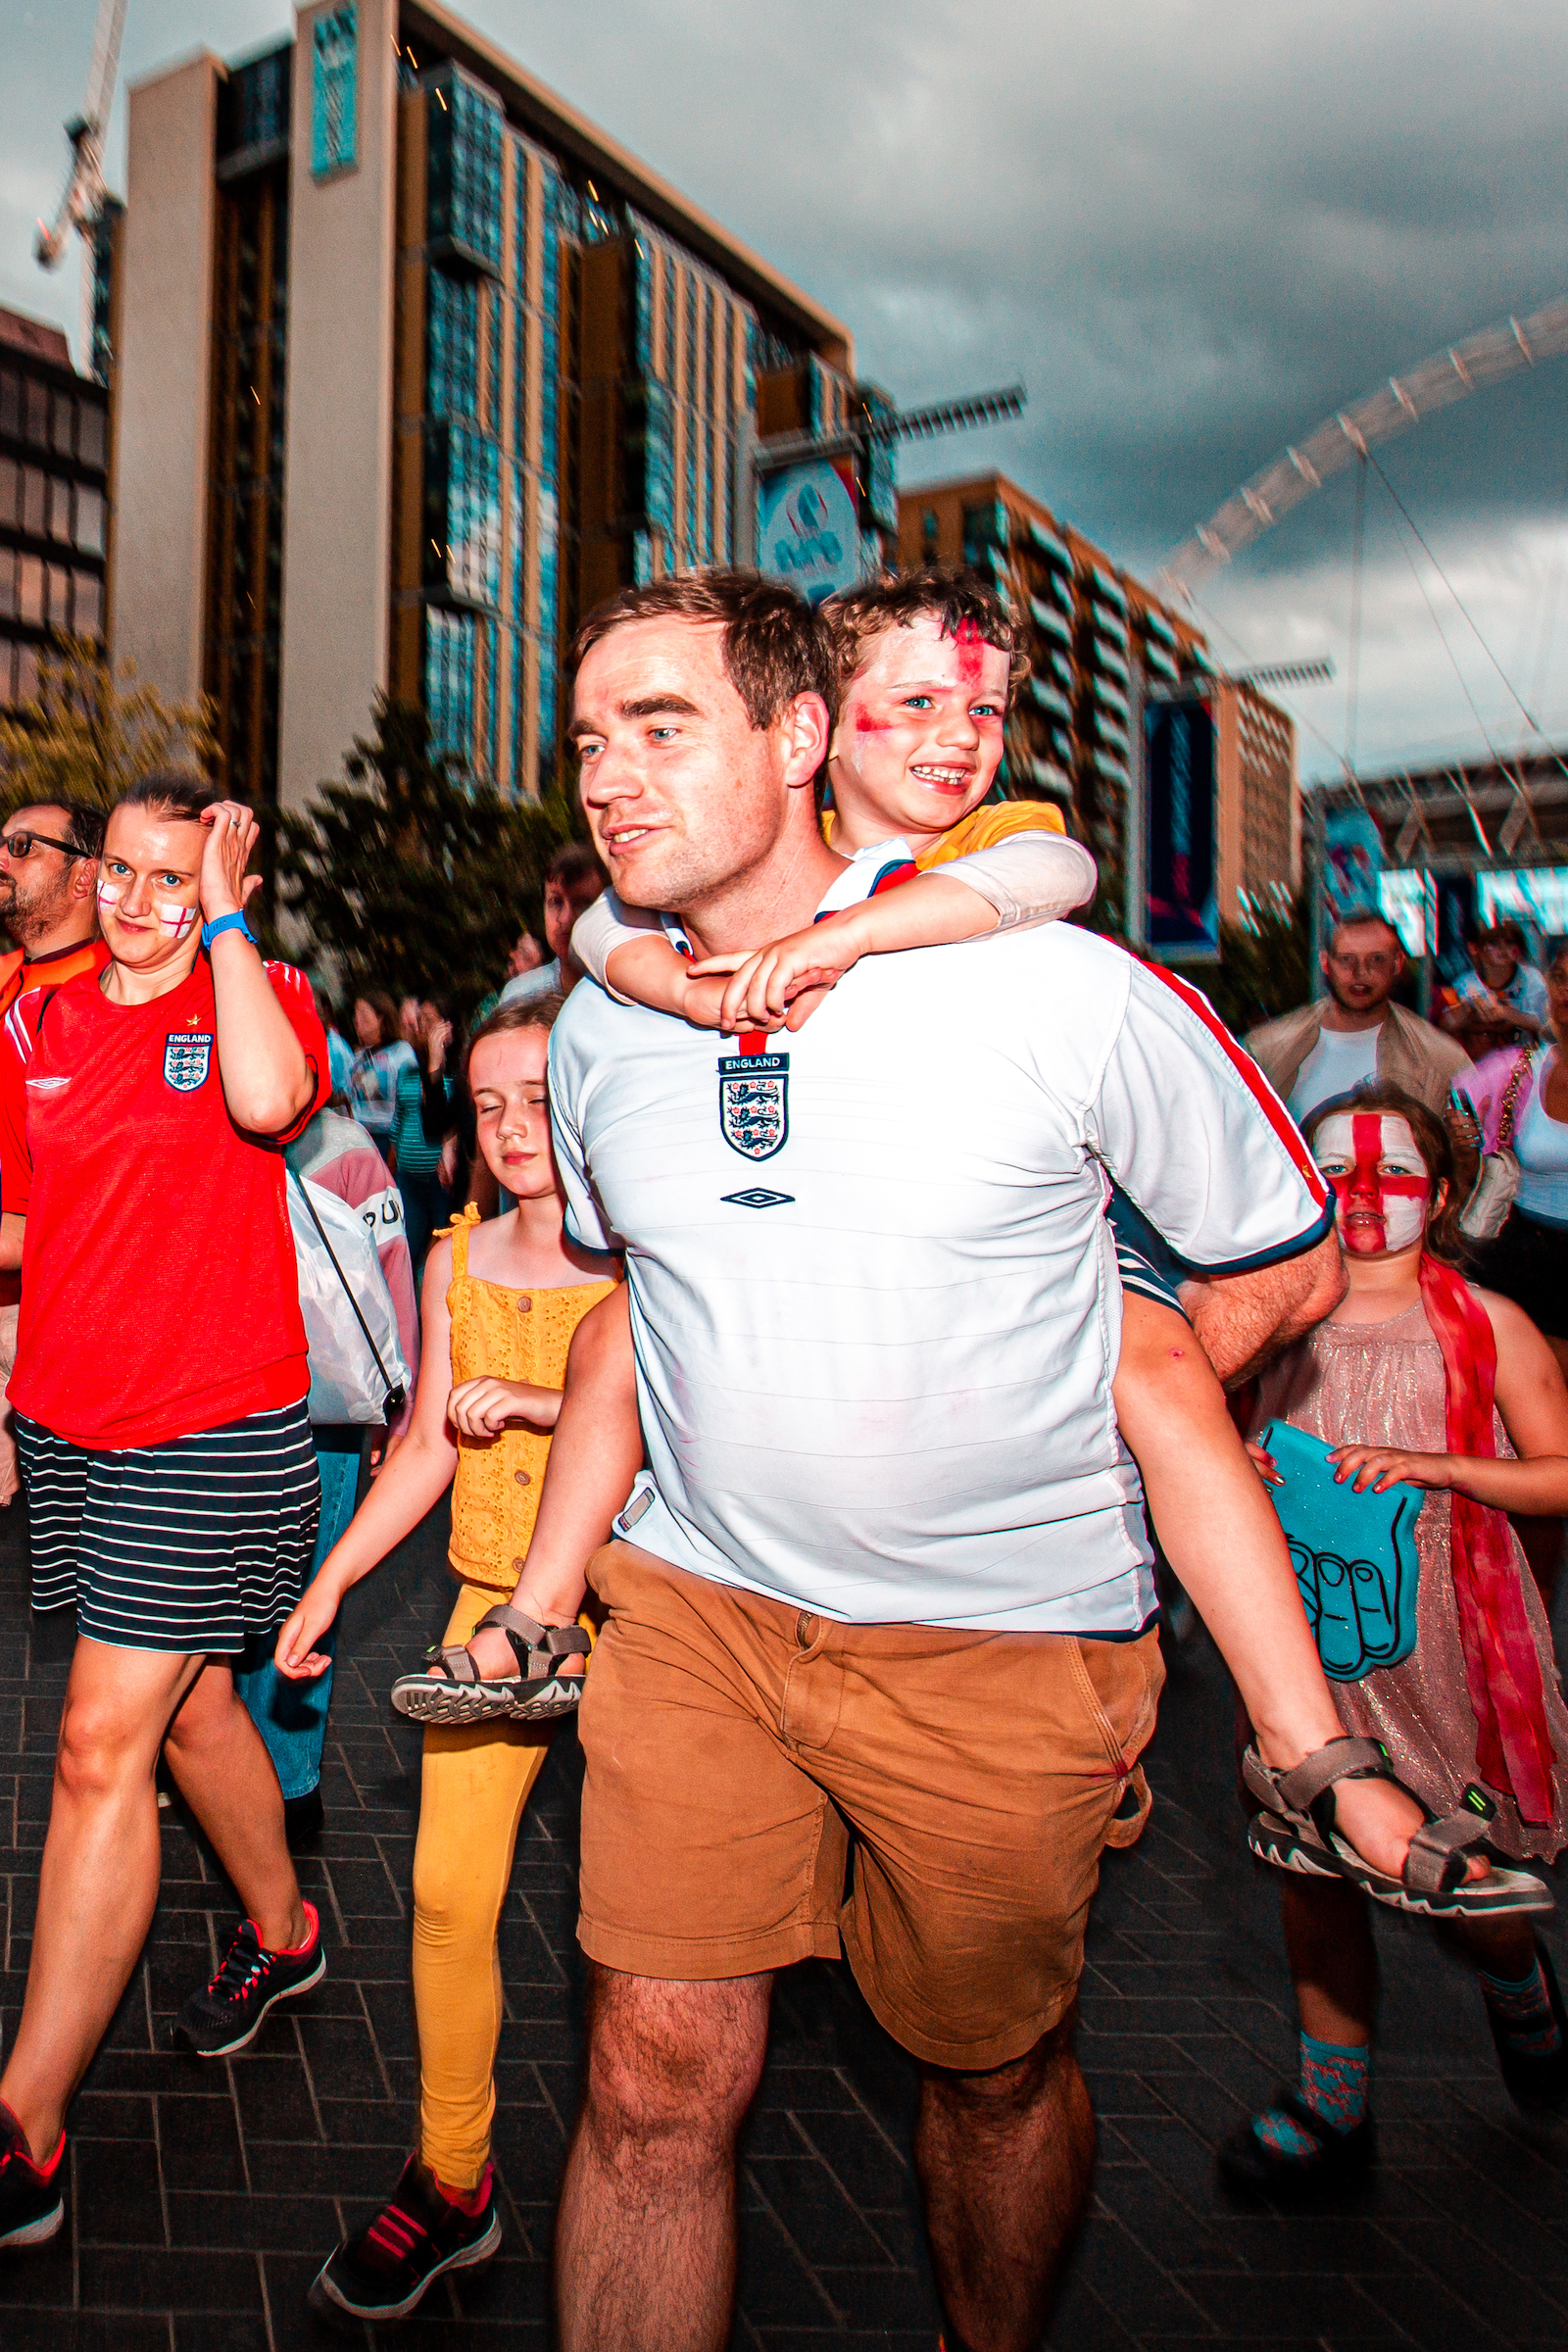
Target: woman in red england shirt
x: 160, y: 1396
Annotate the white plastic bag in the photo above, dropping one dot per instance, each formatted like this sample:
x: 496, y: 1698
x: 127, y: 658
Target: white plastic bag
x: 347, y: 1382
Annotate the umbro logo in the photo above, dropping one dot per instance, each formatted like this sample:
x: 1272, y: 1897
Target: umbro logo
x: 758, y: 1197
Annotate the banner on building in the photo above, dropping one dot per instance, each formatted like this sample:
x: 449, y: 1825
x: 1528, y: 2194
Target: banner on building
x: 807, y: 529
x: 1352, y: 858
x: 1183, y: 910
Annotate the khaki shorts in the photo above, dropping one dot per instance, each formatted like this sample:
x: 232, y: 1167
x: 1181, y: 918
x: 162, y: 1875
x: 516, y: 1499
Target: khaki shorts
x: 736, y: 1745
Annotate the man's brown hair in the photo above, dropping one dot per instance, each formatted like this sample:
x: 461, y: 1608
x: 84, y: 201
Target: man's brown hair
x: 775, y: 646
x: 955, y: 597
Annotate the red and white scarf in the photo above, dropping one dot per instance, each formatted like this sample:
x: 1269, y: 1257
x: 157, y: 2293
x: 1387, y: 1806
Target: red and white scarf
x: 1514, y: 1753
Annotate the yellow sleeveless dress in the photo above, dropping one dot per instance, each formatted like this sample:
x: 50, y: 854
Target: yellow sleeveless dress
x: 511, y: 1334
x: 477, y: 1777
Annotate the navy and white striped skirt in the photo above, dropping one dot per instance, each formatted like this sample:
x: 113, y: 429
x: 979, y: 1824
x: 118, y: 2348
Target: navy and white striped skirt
x: 189, y: 1547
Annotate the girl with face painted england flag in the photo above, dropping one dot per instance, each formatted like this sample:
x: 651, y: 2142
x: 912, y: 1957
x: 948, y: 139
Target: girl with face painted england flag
x: 1420, y: 1387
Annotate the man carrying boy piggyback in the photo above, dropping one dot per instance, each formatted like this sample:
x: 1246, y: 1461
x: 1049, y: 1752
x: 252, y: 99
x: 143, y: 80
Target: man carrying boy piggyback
x: 886, y: 1571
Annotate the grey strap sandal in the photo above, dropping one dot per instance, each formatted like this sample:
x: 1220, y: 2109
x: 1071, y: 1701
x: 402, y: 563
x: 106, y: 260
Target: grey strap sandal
x: 552, y: 1661
x: 1295, y: 1832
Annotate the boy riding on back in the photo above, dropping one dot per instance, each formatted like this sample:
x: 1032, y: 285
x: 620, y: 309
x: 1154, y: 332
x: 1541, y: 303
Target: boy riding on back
x: 926, y: 668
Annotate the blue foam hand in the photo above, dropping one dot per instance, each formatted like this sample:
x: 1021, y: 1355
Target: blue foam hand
x: 1354, y: 1556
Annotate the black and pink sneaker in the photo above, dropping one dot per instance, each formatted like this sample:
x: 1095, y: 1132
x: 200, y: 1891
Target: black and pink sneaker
x: 32, y: 2202
x: 227, y: 2013
x: 419, y: 2234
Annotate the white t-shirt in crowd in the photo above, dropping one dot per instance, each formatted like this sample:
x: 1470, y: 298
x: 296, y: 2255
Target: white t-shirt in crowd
x: 874, y: 1295
x: 1340, y: 1059
x: 1526, y: 992
x: 1541, y: 1144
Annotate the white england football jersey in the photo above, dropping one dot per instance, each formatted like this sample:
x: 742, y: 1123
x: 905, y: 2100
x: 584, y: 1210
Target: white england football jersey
x: 874, y: 1298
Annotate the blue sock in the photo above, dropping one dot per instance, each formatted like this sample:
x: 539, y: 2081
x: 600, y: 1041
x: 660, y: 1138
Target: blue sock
x: 1336, y: 2081
x: 1522, y: 2008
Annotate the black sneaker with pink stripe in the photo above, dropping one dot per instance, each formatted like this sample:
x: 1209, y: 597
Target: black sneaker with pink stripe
x: 381, y: 2273
x: 227, y: 2012
x: 32, y: 2201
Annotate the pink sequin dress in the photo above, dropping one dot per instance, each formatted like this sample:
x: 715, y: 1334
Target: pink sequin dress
x: 1382, y: 1384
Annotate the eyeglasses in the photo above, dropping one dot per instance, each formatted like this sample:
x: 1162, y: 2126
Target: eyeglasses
x: 22, y: 844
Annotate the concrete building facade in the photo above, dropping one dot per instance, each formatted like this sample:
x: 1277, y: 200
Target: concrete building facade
x: 53, y: 504
x: 1104, y: 646
x: 415, y: 367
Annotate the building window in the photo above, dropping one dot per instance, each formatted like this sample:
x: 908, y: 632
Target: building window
x: 38, y: 427
x: 26, y: 673
x: 34, y: 493
x: 9, y: 402
x: 670, y: 321
x: 90, y: 440
x: 89, y: 520
x: 59, y: 596
x: 333, y: 142
x: 8, y: 584
x: 65, y: 424
x: 29, y: 593
x: 60, y: 511
x: 10, y: 491
x: 87, y: 606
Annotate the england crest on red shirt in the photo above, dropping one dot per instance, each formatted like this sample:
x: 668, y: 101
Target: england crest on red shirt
x: 187, y: 1059
x: 753, y: 1102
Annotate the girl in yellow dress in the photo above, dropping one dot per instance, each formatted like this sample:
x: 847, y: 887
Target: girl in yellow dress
x: 501, y: 1302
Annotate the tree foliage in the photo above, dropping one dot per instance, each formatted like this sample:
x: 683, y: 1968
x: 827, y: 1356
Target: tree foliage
x: 410, y: 880
x: 93, y: 732
x: 1265, y: 966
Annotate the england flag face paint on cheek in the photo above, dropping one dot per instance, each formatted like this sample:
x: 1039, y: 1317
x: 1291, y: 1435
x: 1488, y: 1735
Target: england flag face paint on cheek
x: 109, y: 895
x: 1381, y: 1184
x: 174, y: 917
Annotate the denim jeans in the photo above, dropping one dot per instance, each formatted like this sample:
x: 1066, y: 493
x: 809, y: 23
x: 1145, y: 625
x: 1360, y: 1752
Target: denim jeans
x: 291, y: 1717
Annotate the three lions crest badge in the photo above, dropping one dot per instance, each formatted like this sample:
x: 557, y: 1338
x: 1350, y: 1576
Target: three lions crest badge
x: 753, y: 1102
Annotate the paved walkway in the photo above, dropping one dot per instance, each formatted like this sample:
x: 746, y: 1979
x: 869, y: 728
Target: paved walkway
x: 204, y: 2195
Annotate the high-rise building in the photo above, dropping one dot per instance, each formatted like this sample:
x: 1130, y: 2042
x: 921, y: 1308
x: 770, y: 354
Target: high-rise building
x: 54, y: 510
x: 1104, y: 648
x: 415, y: 365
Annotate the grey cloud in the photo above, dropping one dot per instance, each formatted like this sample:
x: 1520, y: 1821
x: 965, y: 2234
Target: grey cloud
x: 1194, y: 229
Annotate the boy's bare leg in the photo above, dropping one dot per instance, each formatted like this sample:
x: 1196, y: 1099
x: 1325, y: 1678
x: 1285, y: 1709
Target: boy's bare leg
x: 1222, y: 1537
x: 595, y: 1454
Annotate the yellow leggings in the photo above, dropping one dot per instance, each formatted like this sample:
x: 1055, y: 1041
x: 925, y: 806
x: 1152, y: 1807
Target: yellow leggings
x: 474, y: 1786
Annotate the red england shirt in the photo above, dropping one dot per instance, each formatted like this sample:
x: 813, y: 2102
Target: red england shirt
x: 159, y: 1289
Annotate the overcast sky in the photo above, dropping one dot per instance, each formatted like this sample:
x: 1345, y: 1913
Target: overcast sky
x: 1193, y: 230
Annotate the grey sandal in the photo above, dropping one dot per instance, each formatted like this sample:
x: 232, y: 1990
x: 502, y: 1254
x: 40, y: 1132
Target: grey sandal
x: 552, y: 1661
x: 1295, y: 1832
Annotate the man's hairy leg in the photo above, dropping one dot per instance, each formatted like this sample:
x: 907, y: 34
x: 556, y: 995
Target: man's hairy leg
x: 645, y: 2237
x: 1004, y: 2160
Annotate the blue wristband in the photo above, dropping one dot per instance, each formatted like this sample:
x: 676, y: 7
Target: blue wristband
x: 226, y: 922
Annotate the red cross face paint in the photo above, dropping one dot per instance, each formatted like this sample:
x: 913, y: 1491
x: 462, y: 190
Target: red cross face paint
x: 920, y: 737
x: 1382, y: 1187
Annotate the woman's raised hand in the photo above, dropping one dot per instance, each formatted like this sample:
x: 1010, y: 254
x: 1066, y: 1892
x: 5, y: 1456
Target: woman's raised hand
x: 233, y: 834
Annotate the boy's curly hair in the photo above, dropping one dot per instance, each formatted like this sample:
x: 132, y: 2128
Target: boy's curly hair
x: 894, y: 598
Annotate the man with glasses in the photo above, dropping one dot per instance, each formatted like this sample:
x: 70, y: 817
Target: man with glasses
x: 49, y: 854
x: 1356, y: 1035
x: 48, y: 902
